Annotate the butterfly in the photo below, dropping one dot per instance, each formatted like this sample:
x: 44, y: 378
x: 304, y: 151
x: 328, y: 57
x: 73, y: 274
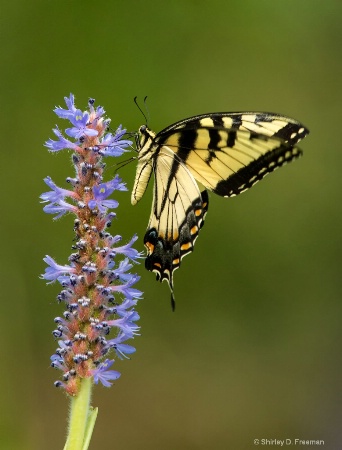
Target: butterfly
x: 226, y: 152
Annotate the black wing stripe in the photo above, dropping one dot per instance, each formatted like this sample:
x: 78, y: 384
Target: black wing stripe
x: 186, y: 142
x: 215, y: 138
x: 255, y: 171
x: 231, y: 138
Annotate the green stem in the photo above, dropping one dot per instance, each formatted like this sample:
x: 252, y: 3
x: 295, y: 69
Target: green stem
x: 81, y: 419
x: 89, y: 428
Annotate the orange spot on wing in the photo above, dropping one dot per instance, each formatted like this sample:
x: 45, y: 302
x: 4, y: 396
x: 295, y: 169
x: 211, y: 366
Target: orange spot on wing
x: 186, y: 246
x: 194, y: 229
x: 150, y: 247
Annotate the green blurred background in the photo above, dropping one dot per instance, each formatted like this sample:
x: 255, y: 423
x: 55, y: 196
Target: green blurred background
x: 254, y: 347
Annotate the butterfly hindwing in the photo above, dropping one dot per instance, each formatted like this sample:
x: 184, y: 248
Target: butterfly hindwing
x: 177, y: 215
x: 226, y: 152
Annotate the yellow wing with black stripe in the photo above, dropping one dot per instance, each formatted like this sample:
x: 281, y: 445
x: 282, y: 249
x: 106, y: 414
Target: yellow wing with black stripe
x: 227, y: 152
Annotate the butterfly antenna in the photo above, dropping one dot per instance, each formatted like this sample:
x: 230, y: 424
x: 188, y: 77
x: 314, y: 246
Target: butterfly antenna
x: 147, y: 110
x: 142, y: 112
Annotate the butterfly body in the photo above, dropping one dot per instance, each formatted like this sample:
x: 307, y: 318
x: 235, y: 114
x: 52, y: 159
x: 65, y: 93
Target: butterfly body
x: 226, y: 152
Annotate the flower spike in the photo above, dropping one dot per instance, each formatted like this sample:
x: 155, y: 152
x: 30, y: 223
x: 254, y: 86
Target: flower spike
x: 98, y: 291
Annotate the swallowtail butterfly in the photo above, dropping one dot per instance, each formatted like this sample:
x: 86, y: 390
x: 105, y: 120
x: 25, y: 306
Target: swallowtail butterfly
x: 226, y: 152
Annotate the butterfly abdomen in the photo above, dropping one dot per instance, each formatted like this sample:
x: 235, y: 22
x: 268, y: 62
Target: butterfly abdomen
x: 145, y: 164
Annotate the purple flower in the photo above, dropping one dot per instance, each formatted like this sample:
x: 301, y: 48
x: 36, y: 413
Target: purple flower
x: 57, y: 362
x: 102, y: 374
x: 62, y: 143
x: 126, y: 324
x: 60, y: 208
x: 117, y: 184
x: 113, y: 145
x: 126, y: 289
x: 120, y: 272
x: 66, y: 113
x: 56, y: 194
x: 121, y: 349
x: 80, y: 129
x: 128, y: 250
x: 104, y: 190
x: 54, y: 270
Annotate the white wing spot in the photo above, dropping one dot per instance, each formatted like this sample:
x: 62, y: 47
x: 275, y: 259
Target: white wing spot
x: 248, y: 117
x: 227, y: 122
x: 207, y: 122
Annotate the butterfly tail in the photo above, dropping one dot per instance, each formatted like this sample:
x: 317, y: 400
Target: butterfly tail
x: 173, y: 301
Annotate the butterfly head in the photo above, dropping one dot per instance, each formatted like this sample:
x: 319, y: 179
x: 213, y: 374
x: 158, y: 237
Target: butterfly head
x: 145, y: 136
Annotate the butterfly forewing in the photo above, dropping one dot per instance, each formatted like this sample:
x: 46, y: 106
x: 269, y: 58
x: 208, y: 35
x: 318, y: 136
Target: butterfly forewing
x: 227, y: 152
x: 229, y: 161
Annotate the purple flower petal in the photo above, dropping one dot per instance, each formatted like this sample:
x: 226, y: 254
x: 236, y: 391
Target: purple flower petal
x: 66, y: 113
x: 128, y: 250
x: 54, y: 270
x: 56, y: 194
x: 102, y: 374
x: 60, y: 208
x: 61, y: 144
